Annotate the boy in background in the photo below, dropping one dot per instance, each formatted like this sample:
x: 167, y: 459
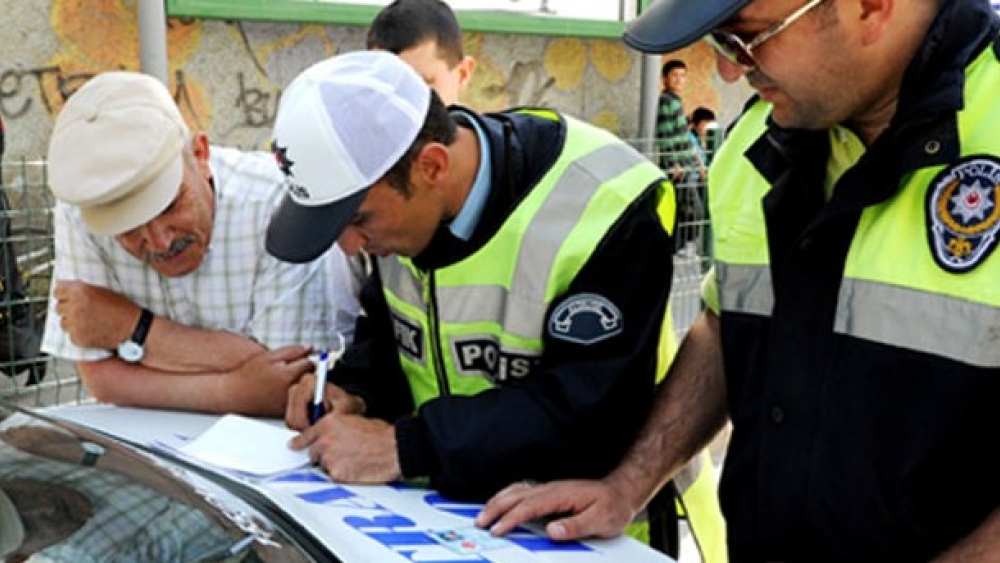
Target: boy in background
x: 425, y: 34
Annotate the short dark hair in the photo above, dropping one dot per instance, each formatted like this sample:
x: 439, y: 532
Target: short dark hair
x: 700, y: 114
x: 671, y: 65
x: 439, y: 127
x: 405, y: 24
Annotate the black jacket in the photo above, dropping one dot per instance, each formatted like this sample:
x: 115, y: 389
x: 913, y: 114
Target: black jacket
x: 581, y: 407
x: 845, y: 448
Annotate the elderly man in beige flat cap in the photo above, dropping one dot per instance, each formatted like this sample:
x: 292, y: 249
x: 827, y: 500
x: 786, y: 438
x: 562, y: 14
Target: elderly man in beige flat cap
x: 164, y: 295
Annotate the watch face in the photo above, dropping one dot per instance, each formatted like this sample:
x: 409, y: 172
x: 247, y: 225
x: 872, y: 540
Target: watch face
x: 130, y: 351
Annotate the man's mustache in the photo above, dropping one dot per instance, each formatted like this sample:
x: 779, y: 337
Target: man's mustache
x: 176, y: 247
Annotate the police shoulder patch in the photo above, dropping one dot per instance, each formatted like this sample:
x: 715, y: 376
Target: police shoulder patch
x: 586, y: 318
x: 963, y: 210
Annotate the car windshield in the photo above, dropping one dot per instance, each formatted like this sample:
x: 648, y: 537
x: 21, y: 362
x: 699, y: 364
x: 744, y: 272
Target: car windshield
x: 68, y: 494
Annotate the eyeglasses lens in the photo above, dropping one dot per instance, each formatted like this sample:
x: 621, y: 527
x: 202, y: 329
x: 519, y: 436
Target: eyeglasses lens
x: 731, y: 47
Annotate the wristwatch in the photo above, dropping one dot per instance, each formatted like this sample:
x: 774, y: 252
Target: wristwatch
x: 133, y: 349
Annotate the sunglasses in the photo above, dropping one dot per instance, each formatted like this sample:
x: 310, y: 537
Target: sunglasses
x: 740, y: 52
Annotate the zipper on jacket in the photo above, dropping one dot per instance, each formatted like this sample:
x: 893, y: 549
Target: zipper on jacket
x: 444, y: 389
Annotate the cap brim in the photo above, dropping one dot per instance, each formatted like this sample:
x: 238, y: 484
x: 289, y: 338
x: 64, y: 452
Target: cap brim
x: 300, y: 233
x: 669, y: 25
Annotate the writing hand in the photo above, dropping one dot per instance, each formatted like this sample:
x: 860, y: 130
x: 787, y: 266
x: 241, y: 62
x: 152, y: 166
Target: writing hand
x: 352, y: 449
x: 300, y: 398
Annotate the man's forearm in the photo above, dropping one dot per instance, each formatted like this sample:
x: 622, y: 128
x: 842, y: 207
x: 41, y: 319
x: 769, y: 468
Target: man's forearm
x: 259, y: 388
x: 689, y: 409
x: 134, y: 385
x: 97, y: 317
x: 173, y: 347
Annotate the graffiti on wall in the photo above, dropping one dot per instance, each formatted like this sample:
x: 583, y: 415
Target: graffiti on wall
x: 100, y: 35
x: 227, y: 76
x: 47, y: 88
x: 21, y: 89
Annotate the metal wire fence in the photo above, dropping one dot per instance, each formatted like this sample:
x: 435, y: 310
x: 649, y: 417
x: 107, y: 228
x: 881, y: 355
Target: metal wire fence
x: 30, y: 378
x: 692, y: 254
x: 27, y: 376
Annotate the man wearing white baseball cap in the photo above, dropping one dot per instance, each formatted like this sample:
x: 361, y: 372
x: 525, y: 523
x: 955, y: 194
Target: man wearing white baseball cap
x: 517, y: 316
x: 163, y: 293
x: 853, y: 309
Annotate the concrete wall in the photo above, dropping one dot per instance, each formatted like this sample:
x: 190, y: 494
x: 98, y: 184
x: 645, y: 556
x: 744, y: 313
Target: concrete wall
x: 227, y: 76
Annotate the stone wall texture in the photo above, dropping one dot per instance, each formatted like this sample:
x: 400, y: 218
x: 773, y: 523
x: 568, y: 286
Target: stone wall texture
x: 227, y: 76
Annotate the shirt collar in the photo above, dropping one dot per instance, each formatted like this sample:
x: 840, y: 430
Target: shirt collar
x: 464, y: 224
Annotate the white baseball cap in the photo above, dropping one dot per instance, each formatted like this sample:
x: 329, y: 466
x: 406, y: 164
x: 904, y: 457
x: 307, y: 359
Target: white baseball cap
x: 341, y: 125
x: 116, y: 151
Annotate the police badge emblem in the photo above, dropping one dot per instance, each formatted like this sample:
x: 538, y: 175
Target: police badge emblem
x: 963, y: 206
x: 586, y: 318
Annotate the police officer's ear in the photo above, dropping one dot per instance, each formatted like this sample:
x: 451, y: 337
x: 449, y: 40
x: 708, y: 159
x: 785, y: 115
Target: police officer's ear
x: 433, y: 163
x: 874, y: 17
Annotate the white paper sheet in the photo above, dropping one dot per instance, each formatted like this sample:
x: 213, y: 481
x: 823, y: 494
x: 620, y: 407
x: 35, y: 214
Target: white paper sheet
x: 247, y: 446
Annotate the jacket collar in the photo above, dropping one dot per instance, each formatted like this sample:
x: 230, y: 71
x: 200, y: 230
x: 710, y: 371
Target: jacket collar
x: 935, y: 79
x: 522, y: 149
x: 923, y: 132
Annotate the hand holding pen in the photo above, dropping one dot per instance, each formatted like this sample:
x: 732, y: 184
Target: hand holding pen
x: 316, y: 408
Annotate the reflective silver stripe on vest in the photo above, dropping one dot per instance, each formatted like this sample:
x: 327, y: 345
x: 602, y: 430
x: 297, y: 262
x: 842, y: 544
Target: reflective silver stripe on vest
x: 468, y: 303
x: 682, y: 481
x: 551, y: 225
x: 400, y: 279
x: 689, y: 473
x: 954, y: 328
x: 562, y: 211
x: 745, y: 289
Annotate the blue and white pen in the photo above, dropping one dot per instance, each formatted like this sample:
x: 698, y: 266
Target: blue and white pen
x: 316, y: 410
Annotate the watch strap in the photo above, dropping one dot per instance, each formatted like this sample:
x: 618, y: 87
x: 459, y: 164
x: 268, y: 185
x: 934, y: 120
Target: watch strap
x: 142, y: 327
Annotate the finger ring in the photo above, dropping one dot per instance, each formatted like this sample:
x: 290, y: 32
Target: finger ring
x: 529, y: 483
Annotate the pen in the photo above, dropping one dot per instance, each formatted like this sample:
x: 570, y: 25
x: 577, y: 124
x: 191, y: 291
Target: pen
x: 316, y: 408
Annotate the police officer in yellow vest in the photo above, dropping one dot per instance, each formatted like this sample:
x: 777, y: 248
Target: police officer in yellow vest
x: 517, y: 314
x: 855, y: 304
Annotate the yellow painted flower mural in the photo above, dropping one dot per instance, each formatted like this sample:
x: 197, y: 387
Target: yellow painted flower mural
x: 560, y: 70
x: 102, y: 35
x: 566, y: 61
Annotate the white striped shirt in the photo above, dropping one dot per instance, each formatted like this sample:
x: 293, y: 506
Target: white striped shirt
x: 238, y: 287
